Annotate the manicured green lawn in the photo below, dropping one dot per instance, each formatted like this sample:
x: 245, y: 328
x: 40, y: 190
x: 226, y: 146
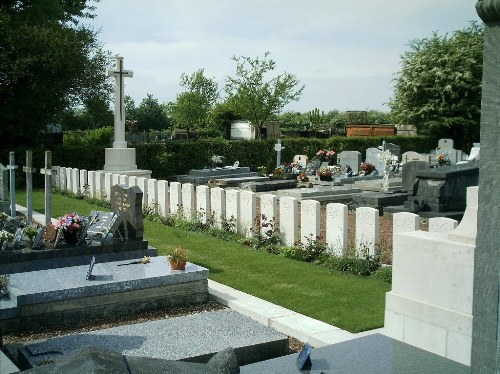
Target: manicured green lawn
x: 349, y: 302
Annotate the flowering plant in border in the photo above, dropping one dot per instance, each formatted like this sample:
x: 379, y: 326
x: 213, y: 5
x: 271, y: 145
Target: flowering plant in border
x: 71, y: 222
x: 5, y: 236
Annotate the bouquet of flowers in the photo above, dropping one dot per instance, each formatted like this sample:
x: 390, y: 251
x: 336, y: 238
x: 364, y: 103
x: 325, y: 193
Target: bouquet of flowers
x: 442, y: 159
x: 216, y: 160
x: 326, y: 171
x: 325, y: 154
x: 367, y: 167
x: 71, y: 222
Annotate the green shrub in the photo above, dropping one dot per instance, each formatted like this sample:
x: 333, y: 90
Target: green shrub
x: 312, y: 249
x: 352, y: 265
x: 294, y: 253
x: 383, y: 274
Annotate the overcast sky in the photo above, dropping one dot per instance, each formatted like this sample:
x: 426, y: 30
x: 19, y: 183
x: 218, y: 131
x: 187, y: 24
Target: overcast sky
x: 346, y: 53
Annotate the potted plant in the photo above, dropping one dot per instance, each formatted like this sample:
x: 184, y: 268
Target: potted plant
x: 177, y: 259
x: 4, y: 284
x: 30, y: 232
x: 325, y: 174
x: 72, y: 225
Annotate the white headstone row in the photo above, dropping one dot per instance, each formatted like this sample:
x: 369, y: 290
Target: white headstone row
x: 296, y: 222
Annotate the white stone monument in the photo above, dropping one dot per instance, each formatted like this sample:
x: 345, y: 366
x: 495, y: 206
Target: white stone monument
x: 120, y: 159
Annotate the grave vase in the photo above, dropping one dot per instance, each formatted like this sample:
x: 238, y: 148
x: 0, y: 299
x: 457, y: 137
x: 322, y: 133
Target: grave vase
x: 177, y: 264
x: 70, y: 236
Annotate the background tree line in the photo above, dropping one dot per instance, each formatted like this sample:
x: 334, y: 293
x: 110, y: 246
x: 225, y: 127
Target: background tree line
x: 52, y: 71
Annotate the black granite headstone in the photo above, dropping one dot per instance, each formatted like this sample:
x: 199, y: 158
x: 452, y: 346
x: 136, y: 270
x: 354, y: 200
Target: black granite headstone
x: 127, y: 202
x: 443, y: 189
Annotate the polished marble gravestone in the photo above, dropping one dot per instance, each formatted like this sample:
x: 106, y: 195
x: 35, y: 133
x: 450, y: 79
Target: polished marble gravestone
x: 64, y: 296
x: 374, y: 354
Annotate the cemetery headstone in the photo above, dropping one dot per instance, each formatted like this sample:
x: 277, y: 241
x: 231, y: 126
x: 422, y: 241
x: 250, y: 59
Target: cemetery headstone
x: 373, y: 157
x: 445, y: 144
x: 409, y: 173
x: 414, y: 156
x: 394, y: 149
x: 351, y: 158
x: 301, y: 160
x: 128, y: 204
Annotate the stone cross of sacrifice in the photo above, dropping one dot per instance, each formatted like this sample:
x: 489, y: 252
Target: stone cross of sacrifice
x: 119, y: 74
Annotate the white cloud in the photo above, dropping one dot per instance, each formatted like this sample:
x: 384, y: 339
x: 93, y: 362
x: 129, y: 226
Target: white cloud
x: 345, y: 52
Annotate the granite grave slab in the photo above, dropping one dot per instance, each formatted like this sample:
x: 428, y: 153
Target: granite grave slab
x: 269, y: 185
x: 202, y: 176
x: 92, y: 359
x: 374, y: 354
x: 194, y: 338
x: 65, y: 295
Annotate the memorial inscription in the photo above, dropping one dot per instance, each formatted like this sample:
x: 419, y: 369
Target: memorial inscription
x: 127, y: 203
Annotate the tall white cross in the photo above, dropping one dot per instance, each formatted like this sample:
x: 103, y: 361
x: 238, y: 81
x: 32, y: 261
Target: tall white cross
x: 119, y: 74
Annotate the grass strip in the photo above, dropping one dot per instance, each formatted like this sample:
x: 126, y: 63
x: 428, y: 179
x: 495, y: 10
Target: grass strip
x: 349, y: 302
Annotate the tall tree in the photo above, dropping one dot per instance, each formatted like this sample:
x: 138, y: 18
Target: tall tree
x: 192, y: 107
x: 256, y: 97
x: 150, y: 114
x: 439, y: 86
x: 49, y: 62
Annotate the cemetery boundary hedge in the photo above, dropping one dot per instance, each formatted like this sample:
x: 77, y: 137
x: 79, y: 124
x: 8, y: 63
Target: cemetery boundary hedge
x: 171, y: 158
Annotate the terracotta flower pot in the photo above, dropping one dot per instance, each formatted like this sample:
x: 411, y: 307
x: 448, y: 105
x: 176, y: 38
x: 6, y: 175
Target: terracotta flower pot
x: 177, y: 264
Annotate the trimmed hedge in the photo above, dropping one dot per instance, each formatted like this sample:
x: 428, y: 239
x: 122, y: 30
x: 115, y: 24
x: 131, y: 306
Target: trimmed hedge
x: 85, y: 150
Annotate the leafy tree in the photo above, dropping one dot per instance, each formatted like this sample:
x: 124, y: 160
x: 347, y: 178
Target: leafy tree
x: 49, y: 62
x: 93, y: 115
x: 439, y: 86
x: 150, y: 114
x: 189, y: 110
x: 254, y: 96
x: 192, y: 107
x: 207, y: 88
